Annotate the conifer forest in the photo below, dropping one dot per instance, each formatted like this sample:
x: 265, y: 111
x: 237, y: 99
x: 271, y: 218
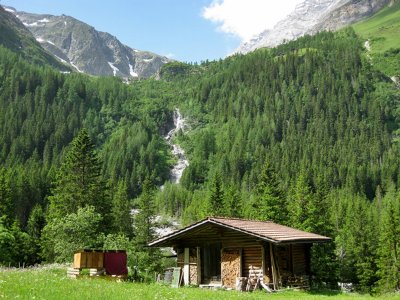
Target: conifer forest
x: 306, y: 134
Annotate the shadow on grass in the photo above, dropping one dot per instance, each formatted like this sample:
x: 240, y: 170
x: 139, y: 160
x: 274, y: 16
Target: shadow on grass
x: 324, y: 292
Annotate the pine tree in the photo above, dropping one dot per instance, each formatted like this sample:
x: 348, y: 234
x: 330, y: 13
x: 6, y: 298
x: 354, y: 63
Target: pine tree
x: 79, y: 181
x: 6, y: 206
x: 300, y: 204
x: 36, y: 223
x: 121, y: 210
x: 270, y: 201
x: 233, y: 202
x: 389, y: 248
x: 217, y: 197
x: 146, y: 258
x: 143, y: 220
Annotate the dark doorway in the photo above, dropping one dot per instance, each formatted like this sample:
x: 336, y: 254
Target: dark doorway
x: 211, y: 263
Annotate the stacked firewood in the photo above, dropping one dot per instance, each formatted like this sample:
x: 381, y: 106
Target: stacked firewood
x: 230, y: 267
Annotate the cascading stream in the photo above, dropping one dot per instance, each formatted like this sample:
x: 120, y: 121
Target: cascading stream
x: 177, y: 151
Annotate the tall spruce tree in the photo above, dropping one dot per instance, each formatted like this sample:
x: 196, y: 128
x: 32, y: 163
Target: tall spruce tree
x: 269, y: 203
x: 300, y: 204
x: 121, y: 210
x: 143, y: 220
x: 79, y: 181
x: 35, y: 225
x: 217, y: 196
x: 389, y: 248
x: 147, y: 259
x: 6, y: 205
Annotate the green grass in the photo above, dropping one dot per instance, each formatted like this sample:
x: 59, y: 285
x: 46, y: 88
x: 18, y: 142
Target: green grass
x: 382, y: 29
x: 52, y: 283
x: 383, y: 32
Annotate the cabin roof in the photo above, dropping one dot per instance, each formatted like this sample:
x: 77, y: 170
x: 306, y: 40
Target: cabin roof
x: 261, y: 230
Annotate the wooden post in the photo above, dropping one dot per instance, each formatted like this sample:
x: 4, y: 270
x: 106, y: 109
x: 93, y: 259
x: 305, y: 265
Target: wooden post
x: 271, y: 253
x: 263, y: 260
x: 186, y: 271
x: 220, y: 263
x: 241, y: 262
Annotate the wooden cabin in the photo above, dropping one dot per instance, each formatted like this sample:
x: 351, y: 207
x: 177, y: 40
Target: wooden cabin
x: 231, y: 253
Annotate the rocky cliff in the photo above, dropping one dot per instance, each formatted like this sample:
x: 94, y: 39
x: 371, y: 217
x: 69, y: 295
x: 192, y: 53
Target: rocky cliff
x: 87, y: 50
x: 15, y: 36
x: 312, y: 16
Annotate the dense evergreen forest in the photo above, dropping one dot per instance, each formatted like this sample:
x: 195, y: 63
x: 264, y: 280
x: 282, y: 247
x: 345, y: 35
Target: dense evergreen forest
x: 305, y: 134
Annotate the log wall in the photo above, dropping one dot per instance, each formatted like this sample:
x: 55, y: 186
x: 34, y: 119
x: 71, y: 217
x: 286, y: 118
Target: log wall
x: 252, y: 259
x: 299, y: 259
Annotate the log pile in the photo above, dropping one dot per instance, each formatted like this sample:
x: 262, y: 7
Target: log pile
x: 193, y: 274
x: 73, y: 273
x: 230, y: 267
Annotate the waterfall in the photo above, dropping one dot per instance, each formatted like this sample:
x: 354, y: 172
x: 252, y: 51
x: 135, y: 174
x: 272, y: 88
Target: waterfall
x: 177, y: 151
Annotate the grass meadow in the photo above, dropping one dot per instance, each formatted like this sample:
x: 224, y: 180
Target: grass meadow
x: 52, y: 283
x: 382, y: 29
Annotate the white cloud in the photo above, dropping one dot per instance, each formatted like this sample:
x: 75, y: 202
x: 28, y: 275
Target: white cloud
x: 246, y: 18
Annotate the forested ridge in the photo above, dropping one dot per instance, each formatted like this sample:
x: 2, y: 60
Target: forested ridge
x: 305, y: 134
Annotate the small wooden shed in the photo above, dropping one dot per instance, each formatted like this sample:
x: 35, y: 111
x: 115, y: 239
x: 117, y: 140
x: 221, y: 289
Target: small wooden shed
x: 229, y: 252
x: 110, y: 262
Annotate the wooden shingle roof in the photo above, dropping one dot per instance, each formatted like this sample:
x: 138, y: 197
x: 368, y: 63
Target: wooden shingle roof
x: 261, y: 230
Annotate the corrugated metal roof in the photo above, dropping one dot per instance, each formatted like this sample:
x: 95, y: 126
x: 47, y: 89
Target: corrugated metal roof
x: 264, y: 230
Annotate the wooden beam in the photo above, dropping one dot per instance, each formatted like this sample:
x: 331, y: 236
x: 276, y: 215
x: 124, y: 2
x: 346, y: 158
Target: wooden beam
x: 241, y: 262
x: 186, y: 271
x: 274, y: 275
x: 263, y: 259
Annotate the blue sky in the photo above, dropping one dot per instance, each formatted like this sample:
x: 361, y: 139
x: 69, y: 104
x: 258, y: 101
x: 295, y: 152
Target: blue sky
x: 186, y: 30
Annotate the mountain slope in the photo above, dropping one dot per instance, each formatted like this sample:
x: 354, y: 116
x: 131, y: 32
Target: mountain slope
x: 382, y: 29
x: 381, y: 34
x: 88, y: 50
x: 16, y: 37
x: 313, y: 16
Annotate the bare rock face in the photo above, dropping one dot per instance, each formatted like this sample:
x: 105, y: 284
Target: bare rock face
x: 312, y: 16
x: 14, y: 36
x: 349, y: 13
x: 90, y: 51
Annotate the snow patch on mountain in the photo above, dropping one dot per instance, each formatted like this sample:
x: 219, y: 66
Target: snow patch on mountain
x: 62, y: 60
x: 131, y: 72
x: 114, y: 68
x: 11, y: 10
x: 95, y: 52
x: 76, y: 67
